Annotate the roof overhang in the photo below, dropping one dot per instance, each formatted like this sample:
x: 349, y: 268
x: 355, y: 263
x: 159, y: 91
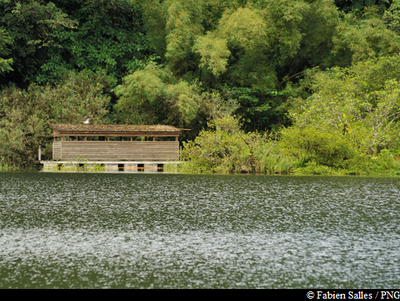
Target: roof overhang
x: 115, y: 130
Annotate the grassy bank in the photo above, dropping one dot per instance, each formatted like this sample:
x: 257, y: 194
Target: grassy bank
x: 289, y: 166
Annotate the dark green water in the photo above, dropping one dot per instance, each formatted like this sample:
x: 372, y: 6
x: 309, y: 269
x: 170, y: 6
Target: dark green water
x: 193, y: 231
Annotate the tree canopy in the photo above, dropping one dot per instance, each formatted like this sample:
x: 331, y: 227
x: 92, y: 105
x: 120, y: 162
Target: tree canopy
x: 188, y: 63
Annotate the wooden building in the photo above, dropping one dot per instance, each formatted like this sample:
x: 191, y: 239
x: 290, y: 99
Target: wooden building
x: 72, y: 141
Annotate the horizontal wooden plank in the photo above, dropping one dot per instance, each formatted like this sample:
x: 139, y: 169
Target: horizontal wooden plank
x: 118, y: 142
x: 105, y: 141
x: 125, y: 157
x: 119, y: 146
x: 122, y: 153
x: 110, y: 151
x: 118, y: 150
x: 122, y: 143
x: 133, y: 149
x: 118, y: 134
x: 127, y: 160
x: 133, y: 158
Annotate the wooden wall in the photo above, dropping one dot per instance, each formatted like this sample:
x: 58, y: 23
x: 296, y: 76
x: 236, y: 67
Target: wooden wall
x: 116, y: 150
x: 57, y: 150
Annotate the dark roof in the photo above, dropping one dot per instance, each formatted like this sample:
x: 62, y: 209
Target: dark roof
x: 113, y: 129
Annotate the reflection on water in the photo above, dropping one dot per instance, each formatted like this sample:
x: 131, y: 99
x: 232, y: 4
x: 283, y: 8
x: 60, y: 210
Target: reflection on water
x: 195, y: 231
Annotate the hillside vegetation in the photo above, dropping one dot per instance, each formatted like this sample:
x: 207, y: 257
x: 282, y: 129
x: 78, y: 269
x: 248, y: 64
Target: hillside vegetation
x: 288, y: 86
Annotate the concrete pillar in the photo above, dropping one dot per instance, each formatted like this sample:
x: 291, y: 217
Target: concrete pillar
x: 111, y: 167
x: 50, y: 166
x: 130, y: 168
x: 150, y: 167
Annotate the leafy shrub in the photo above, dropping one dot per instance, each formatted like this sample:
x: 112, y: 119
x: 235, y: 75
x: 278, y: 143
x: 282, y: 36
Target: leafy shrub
x: 312, y: 168
x: 225, y: 149
x: 324, y: 148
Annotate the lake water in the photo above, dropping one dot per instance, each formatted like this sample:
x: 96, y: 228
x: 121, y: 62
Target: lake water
x: 82, y: 230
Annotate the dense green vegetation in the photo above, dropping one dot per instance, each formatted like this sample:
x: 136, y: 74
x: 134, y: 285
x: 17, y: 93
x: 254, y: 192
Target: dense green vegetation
x: 289, y: 86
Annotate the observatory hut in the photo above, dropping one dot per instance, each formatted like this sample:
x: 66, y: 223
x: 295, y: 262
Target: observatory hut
x: 116, y: 145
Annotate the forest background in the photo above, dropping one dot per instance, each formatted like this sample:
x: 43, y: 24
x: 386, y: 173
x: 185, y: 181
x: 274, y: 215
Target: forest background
x: 270, y: 86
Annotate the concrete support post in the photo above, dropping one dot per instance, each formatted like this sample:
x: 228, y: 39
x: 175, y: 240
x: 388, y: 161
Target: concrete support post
x: 130, y: 168
x: 150, y: 167
x: 111, y: 167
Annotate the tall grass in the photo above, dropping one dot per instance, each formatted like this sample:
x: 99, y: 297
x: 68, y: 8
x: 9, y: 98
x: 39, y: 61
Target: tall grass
x: 6, y: 167
x: 10, y: 167
x: 275, y: 164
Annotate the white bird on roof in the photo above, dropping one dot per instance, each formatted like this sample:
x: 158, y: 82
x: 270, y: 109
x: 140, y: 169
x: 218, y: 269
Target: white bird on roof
x: 86, y: 121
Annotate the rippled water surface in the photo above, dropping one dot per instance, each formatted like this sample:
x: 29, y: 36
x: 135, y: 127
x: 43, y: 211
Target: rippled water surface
x: 193, y: 231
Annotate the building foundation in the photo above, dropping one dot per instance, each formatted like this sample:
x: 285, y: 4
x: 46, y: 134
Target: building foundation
x: 113, y: 167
